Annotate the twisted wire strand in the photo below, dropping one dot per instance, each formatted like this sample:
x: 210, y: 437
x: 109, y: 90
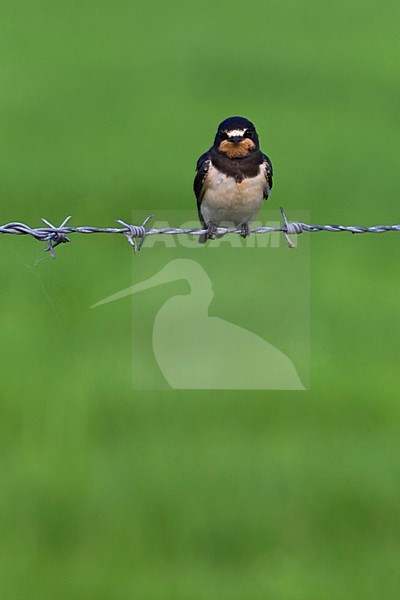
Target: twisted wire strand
x: 59, y: 235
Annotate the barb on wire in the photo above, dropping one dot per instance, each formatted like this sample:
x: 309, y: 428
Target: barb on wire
x: 58, y: 235
x: 135, y: 231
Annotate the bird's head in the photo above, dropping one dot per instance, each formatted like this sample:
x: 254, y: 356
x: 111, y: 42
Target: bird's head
x: 236, y: 138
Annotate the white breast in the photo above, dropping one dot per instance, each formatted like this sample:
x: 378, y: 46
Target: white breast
x: 226, y: 201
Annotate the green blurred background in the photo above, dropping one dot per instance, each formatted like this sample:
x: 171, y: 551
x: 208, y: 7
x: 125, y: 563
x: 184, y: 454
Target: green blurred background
x: 112, y: 493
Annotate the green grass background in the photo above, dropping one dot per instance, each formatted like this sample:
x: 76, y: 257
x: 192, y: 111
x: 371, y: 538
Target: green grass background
x: 107, y: 492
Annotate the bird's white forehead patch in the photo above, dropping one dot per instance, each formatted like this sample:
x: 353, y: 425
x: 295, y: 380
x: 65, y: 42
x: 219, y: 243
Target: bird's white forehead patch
x: 235, y: 132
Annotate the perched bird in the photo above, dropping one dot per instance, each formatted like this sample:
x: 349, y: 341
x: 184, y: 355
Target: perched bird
x: 233, y: 178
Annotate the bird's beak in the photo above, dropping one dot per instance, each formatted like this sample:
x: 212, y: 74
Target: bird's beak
x: 235, y: 139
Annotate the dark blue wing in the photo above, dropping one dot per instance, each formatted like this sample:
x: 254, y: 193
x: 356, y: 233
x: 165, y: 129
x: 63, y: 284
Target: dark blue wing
x: 268, y: 176
x: 202, y: 169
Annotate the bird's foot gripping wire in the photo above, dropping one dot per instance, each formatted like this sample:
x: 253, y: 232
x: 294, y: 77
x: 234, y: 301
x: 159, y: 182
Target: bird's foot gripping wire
x: 244, y: 230
x: 212, y: 231
x: 135, y: 231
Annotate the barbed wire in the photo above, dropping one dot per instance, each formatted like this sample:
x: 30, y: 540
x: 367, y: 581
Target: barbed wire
x: 59, y: 235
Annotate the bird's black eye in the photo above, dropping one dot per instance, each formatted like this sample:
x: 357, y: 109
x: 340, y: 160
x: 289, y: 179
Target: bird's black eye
x: 249, y: 133
x: 222, y: 135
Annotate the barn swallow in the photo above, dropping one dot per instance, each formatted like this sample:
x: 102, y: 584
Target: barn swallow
x: 233, y: 178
